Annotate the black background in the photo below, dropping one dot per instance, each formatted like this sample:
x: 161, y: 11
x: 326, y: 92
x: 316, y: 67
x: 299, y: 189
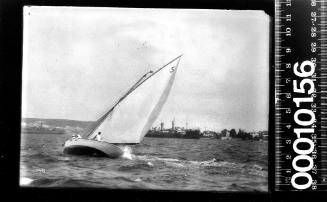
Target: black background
x: 10, y: 88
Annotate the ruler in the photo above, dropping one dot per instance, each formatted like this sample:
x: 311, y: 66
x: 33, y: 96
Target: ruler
x: 300, y: 95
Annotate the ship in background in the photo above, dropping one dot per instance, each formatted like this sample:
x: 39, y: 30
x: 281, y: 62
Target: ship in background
x: 40, y: 128
x: 173, y: 132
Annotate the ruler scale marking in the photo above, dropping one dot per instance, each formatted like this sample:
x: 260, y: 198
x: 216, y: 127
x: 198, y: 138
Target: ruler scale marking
x: 309, y: 48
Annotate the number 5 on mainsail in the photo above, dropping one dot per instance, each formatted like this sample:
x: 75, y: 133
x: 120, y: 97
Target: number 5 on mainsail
x: 130, y: 118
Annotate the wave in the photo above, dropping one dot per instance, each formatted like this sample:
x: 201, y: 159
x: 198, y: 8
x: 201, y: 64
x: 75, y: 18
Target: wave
x: 44, y: 157
x: 155, y: 158
x: 253, y: 169
x: 121, y: 178
x: 48, y: 158
x: 137, y: 166
x: 236, y: 187
x: 127, y: 153
x: 60, y: 182
x: 65, y: 182
x: 148, y: 162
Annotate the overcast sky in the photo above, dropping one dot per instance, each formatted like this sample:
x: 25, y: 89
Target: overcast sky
x: 77, y: 61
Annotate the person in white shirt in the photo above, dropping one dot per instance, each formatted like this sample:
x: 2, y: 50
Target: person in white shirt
x: 98, y: 137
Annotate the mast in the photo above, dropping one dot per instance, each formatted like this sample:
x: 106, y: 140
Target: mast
x: 103, y: 117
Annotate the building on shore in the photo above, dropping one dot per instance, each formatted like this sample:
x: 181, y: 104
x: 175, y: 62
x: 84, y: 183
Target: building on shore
x: 209, y: 134
x: 227, y: 136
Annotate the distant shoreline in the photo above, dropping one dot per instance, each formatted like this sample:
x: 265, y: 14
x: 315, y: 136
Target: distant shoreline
x: 58, y: 122
x: 76, y: 125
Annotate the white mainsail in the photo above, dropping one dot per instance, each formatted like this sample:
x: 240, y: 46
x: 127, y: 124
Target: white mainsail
x: 132, y: 117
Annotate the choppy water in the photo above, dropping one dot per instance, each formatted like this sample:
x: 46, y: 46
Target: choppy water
x: 166, y: 164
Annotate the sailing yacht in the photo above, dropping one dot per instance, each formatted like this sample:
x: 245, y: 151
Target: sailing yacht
x: 130, y: 117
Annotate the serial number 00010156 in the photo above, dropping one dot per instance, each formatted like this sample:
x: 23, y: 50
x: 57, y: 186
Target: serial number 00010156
x: 304, y: 120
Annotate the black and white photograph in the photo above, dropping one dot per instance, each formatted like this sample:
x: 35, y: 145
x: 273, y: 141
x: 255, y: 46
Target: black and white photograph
x: 145, y: 98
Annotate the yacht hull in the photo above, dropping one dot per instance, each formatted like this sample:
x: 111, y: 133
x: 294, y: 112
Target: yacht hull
x: 92, y: 148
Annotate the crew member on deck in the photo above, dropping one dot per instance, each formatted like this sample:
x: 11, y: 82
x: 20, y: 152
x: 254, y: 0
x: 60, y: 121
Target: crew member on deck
x: 98, y: 137
x: 76, y: 136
